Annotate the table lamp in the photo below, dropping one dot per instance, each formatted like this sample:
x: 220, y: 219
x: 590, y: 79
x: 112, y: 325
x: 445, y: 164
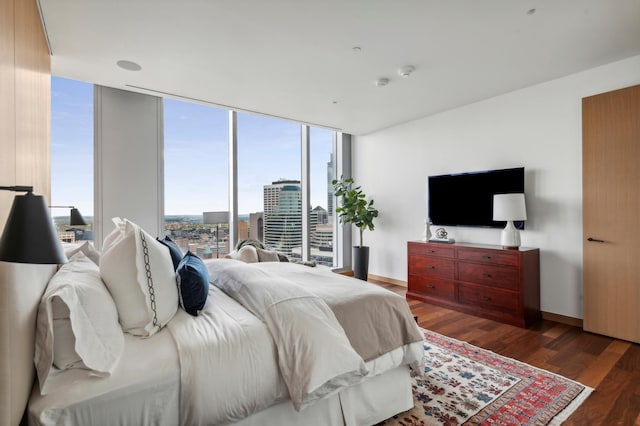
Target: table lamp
x: 509, y: 207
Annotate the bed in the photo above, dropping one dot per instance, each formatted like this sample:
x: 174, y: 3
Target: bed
x: 239, y: 361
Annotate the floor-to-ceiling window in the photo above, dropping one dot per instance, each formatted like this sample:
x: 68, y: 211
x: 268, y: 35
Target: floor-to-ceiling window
x: 269, y: 187
x: 321, y: 173
x: 72, y: 157
x: 196, y: 166
x: 196, y: 173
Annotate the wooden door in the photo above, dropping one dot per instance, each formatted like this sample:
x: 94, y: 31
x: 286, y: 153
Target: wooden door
x: 611, y: 213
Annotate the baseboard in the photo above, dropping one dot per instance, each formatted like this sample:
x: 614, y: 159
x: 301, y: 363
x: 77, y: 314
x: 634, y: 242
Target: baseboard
x: 576, y: 322
x: 343, y: 271
x: 387, y: 280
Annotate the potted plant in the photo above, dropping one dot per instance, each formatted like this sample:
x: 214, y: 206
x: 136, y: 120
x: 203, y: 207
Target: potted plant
x: 355, y: 209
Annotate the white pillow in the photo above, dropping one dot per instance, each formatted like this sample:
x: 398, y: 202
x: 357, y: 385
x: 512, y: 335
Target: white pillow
x: 77, y: 325
x: 64, y: 342
x: 247, y: 254
x: 267, y: 255
x: 139, y: 274
x: 85, y: 247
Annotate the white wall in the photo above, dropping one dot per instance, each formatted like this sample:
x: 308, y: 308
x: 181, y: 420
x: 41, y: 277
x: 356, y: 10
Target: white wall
x: 538, y: 127
x: 129, y: 152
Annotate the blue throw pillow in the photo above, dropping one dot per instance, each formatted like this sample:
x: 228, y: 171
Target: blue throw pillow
x: 174, y: 250
x: 193, y: 283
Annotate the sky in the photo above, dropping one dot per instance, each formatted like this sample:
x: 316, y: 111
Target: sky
x: 195, y: 158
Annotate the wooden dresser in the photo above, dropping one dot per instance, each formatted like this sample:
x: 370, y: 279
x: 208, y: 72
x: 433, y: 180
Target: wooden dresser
x: 482, y: 280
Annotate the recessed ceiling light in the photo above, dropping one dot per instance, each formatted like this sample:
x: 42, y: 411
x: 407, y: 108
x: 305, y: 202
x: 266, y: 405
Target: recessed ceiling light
x: 531, y: 11
x: 382, y: 82
x: 406, y: 71
x: 356, y: 49
x: 129, y: 66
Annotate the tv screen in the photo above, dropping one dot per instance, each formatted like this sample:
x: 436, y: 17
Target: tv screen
x: 466, y: 199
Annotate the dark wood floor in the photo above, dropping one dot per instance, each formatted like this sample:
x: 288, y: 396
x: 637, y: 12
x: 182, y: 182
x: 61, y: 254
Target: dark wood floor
x: 609, y: 365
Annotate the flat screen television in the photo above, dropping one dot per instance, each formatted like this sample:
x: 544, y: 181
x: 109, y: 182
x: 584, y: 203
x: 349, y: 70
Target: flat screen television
x: 466, y: 199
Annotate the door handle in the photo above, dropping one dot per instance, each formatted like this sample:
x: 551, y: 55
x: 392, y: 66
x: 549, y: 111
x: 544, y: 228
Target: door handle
x: 595, y: 240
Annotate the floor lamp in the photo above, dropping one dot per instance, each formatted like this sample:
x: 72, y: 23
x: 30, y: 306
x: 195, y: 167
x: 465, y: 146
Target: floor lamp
x: 216, y: 218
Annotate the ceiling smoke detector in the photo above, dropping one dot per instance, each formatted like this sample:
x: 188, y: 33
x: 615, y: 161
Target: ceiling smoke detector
x: 406, y: 71
x: 382, y: 82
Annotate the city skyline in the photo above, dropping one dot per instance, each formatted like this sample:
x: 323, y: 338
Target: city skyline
x: 196, y: 154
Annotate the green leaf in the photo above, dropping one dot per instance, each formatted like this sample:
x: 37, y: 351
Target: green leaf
x: 354, y: 207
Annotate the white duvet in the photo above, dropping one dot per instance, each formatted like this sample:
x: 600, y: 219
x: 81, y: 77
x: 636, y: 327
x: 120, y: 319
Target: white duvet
x: 315, y: 356
x: 265, y: 339
x: 228, y: 364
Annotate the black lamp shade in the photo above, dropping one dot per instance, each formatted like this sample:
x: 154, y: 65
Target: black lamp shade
x: 76, y: 219
x: 29, y: 236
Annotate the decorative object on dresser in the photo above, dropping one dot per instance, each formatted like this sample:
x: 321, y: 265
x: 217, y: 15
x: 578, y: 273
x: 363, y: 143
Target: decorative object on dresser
x: 442, y: 236
x: 426, y: 236
x: 355, y: 209
x: 483, y: 280
x: 509, y: 207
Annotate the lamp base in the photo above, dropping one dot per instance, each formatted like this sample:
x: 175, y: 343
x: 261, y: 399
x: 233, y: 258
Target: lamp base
x: 510, y: 237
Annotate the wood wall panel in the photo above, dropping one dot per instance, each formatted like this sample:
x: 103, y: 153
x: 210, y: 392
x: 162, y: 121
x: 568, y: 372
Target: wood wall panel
x: 25, y: 101
x: 32, y: 100
x: 25, y: 110
x: 7, y: 107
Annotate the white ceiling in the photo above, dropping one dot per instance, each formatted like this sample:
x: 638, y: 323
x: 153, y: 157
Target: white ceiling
x: 295, y: 59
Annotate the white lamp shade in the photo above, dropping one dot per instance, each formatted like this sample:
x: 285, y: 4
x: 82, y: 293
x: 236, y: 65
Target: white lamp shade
x: 509, y: 207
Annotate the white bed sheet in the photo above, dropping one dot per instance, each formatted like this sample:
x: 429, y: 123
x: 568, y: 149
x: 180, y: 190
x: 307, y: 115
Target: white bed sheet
x: 145, y: 388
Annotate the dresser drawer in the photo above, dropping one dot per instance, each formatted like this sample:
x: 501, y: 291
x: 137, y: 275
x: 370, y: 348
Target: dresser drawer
x: 487, y: 298
x: 430, y: 250
x: 499, y: 257
x: 432, y: 287
x: 490, y: 275
x: 431, y: 266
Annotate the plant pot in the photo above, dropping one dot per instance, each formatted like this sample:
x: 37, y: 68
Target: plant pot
x: 360, y: 262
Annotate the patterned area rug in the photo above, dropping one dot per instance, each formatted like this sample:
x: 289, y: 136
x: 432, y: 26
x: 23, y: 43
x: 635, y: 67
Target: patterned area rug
x: 464, y: 384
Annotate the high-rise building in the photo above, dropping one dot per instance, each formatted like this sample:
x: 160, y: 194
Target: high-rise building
x: 243, y: 230
x: 321, y: 230
x: 256, y: 226
x: 318, y: 216
x: 330, y: 197
x: 283, y: 215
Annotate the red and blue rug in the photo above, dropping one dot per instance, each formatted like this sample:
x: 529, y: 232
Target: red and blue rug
x: 464, y: 384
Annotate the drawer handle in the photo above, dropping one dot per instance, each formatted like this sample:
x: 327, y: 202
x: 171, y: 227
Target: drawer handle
x: 486, y: 257
x: 432, y: 251
x: 431, y: 286
x: 431, y: 267
x: 486, y: 298
x: 486, y: 275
